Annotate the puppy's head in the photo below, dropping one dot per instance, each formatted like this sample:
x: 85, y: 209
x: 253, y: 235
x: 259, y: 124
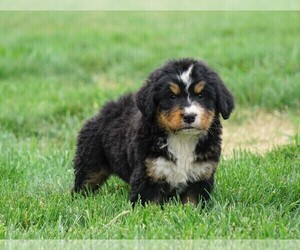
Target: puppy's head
x: 184, y: 95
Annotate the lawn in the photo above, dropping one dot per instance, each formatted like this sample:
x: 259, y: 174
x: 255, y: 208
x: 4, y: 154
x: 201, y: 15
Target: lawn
x: 59, y: 68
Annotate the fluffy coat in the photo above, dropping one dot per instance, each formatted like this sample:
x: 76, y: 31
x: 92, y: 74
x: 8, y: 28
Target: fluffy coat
x: 164, y: 140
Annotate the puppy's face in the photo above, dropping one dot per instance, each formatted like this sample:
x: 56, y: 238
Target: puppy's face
x: 185, y: 102
x: 184, y: 97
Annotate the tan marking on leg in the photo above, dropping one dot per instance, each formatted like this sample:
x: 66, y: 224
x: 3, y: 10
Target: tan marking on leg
x: 150, y: 169
x: 210, y: 170
x: 96, y: 179
x: 202, y: 170
x: 189, y: 198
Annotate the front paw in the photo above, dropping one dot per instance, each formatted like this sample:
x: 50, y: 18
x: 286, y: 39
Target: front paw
x: 134, y: 197
x: 146, y: 194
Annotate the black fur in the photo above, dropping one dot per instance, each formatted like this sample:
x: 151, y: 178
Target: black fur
x: 125, y: 133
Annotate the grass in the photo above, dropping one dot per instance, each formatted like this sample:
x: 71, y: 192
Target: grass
x: 255, y: 197
x: 57, y: 69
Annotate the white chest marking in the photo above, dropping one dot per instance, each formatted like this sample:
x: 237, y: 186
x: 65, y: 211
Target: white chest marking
x: 182, y: 147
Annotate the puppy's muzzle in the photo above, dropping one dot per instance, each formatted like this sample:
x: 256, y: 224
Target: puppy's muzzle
x: 189, y: 118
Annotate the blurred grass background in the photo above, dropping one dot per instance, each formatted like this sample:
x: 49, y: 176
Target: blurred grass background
x: 58, y: 64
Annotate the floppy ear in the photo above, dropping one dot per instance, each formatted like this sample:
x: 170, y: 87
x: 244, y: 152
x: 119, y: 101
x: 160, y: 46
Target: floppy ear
x: 145, y: 100
x: 225, y: 100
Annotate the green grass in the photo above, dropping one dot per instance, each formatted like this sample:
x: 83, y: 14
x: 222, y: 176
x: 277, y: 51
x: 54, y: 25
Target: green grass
x: 257, y: 53
x: 57, y: 69
x: 255, y: 197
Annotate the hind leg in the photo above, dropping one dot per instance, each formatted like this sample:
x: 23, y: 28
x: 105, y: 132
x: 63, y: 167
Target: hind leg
x: 90, y: 165
x: 86, y: 182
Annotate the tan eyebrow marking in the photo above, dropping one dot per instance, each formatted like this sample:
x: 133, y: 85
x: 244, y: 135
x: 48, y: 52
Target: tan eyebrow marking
x: 199, y: 87
x: 174, y: 88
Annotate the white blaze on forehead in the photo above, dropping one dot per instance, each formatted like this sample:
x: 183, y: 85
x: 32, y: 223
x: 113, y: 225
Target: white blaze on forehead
x: 186, y: 76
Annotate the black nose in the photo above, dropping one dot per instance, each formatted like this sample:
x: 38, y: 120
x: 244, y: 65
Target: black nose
x: 189, y: 118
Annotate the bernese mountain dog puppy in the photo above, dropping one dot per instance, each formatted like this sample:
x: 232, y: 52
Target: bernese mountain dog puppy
x: 164, y: 140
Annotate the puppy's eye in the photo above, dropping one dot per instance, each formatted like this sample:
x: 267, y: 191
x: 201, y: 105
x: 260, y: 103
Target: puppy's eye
x: 201, y: 96
x: 173, y: 97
